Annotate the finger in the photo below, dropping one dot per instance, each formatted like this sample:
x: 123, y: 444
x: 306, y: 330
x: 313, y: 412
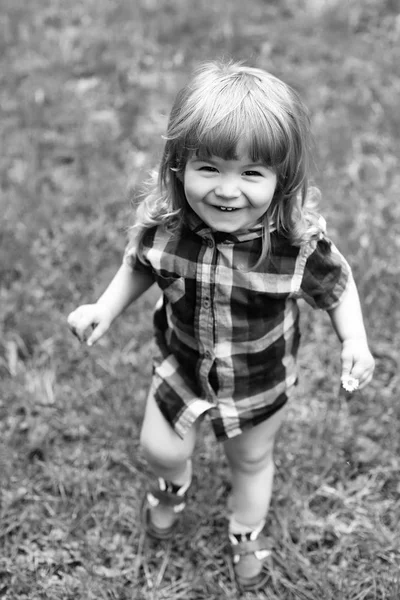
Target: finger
x: 73, y: 323
x: 360, y: 370
x: 98, y: 331
x: 79, y: 322
x: 347, y: 367
x: 79, y: 334
x: 365, y: 380
x: 75, y: 333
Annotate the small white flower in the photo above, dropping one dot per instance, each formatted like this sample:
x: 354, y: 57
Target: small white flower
x: 350, y: 384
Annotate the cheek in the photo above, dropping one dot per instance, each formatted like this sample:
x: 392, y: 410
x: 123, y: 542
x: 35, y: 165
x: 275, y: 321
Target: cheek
x: 191, y: 197
x: 192, y: 187
x: 187, y: 189
x: 263, y: 199
x: 270, y: 192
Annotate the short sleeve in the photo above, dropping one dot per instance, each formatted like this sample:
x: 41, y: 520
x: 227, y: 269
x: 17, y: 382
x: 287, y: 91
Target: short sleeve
x: 131, y: 259
x: 325, y: 276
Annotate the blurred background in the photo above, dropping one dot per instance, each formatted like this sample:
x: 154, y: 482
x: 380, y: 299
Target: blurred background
x: 86, y: 88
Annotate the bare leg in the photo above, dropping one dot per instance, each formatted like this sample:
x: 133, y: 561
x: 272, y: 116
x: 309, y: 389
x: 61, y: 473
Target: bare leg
x: 250, y: 456
x: 167, y: 454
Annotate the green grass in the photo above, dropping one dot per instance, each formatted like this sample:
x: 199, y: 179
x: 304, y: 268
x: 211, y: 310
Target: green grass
x: 85, y: 92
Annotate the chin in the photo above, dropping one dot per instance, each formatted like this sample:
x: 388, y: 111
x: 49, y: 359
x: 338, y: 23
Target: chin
x: 224, y: 228
x: 222, y: 225
x: 229, y: 227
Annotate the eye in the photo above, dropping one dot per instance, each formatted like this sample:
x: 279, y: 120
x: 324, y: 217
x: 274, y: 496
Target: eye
x: 252, y: 174
x: 208, y: 169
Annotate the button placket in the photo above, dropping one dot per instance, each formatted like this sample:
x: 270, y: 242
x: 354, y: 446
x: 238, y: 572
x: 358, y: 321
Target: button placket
x: 205, y: 274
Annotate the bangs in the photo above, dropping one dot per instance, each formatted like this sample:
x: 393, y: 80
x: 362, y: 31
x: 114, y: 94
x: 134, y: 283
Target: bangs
x: 238, y: 131
x: 219, y: 121
x: 246, y: 126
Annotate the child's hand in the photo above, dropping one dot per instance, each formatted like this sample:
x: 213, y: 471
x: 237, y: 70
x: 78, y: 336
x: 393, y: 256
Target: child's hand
x: 357, y: 364
x: 88, y: 316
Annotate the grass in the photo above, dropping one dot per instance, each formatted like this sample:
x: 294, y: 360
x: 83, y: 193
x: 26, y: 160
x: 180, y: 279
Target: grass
x: 85, y: 91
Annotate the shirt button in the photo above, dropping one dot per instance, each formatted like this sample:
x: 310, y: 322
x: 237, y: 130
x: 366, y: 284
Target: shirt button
x: 206, y: 303
x: 210, y: 242
x: 207, y: 354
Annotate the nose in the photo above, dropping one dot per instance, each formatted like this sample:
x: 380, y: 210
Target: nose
x: 227, y: 188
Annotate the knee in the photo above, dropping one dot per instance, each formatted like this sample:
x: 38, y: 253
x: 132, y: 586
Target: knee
x: 252, y: 460
x: 159, y: 452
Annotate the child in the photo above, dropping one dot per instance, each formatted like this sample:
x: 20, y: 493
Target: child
x: 230, y: 235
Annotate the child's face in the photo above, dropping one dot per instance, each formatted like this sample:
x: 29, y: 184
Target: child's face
x: 228, y: 195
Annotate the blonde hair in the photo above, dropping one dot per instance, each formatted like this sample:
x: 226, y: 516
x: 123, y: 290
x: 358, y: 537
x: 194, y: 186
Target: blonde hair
x: 222, y: 105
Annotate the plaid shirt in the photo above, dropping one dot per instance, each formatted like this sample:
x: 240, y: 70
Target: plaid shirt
x: 226, y: 336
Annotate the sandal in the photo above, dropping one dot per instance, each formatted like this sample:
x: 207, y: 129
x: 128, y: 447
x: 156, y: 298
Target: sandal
x: 173, y: 502
x: 251, y: 562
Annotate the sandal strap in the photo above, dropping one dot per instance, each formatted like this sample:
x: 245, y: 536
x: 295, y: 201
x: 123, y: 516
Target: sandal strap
x: 167, y: 498
x: 250, y: 546
x: 255, y: 553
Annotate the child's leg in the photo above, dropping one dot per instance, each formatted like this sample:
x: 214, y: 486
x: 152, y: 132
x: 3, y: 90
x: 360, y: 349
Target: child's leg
x: 168, y: 455
x: 250, y: 456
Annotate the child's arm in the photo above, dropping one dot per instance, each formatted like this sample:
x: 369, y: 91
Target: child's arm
x: 125, y: 287
x: 347, y: 320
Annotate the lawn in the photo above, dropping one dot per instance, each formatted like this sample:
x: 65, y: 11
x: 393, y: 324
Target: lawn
x: 86, y: 87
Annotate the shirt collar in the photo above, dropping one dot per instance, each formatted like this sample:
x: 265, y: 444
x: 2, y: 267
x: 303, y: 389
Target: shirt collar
x: 196, y: 225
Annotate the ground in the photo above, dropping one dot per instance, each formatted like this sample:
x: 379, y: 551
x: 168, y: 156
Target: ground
x: 85, y: 91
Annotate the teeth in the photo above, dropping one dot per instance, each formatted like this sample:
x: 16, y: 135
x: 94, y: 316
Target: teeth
x: 227, y: 208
